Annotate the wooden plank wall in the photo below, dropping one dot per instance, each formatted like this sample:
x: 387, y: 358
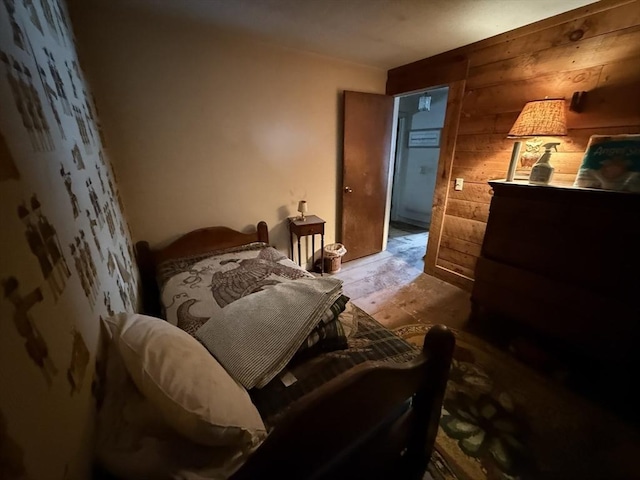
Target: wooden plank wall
x: 594, y: 49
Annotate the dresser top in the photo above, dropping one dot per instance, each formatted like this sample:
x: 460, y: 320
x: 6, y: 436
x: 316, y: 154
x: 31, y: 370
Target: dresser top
x: 566, y: 194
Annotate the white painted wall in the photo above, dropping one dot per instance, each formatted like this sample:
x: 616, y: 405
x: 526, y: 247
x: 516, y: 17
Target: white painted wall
x: 208, y: 127
x: 416, y: 169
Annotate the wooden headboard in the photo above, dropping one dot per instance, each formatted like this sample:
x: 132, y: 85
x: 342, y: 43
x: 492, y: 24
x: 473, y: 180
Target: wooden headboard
x: 193, y: 243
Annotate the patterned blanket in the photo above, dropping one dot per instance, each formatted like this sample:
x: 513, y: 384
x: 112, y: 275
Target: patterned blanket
x: 255, y: 337
x: 195, y: 288
x: 198, y: 287
x: 368, y: 341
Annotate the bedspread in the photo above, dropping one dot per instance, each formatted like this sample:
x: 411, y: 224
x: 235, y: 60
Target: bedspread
x: 256, y: 336
x: 196, y: 288
x: 368, y: 341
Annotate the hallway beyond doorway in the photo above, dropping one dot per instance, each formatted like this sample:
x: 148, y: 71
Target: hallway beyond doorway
x: 408, y: 243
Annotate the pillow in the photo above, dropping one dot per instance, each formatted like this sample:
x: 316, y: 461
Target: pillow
x: 134, y: 442
x: 192, y: 391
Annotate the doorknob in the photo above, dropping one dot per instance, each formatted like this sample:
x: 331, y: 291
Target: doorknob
x: 348, y: 190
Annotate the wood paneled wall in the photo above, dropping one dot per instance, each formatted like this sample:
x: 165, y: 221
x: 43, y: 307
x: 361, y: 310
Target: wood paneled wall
x: 594, y: 49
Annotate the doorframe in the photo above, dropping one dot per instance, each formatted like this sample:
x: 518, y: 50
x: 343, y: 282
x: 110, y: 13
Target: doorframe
x: 443, y: 184
x: 392, y: 169
x: 400, y: 129
x: 448, y: 138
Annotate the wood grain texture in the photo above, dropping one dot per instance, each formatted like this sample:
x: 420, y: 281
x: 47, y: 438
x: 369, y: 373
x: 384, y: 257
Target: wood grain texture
x: 594, y: 49
x: 458, y: 258
x: 588, y: 26
x: 366, y: 147
x: 599, y: 50
x: 443, y: 178
x: 465, y: 209
x: 208, y: 239
x: 459, y: 245
x: 497, y: 99
x: 449, y: 70
x: 557, y: 262
x: 464, y: 229
x: 455, y: 268
x: 454, y: 278
x: 471, y: 192
x: 575, y: 142
x: 452, y: 56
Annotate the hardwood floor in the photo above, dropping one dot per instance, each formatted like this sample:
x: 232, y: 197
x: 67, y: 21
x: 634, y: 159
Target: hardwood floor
x: 408, y: 243
x: 396, y: 293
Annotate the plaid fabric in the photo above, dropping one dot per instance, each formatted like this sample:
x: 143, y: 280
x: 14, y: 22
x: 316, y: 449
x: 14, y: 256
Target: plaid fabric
x: 324, y: 338
x: 368, y: 341
x: 328, y: 335
x: 338, y: 307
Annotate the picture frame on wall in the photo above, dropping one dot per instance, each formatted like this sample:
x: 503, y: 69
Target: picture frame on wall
x: 424, y: 138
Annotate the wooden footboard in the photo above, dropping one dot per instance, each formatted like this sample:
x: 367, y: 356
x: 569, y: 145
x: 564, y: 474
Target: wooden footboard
x: 353, y: 426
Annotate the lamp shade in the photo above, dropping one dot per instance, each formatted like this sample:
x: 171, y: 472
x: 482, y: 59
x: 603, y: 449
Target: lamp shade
x: 541, y: 118
x: 302, y: 206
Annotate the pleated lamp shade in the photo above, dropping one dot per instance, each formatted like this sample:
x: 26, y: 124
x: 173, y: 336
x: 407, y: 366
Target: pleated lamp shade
x: 541, y: 118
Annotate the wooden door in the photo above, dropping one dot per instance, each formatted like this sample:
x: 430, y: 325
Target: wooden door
x: 368, y: 125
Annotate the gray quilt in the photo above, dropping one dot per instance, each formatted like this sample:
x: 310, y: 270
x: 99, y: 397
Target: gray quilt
x: 255, y: 351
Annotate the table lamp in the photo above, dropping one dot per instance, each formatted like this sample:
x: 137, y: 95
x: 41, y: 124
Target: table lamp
x: 302, y: 208
x: 539, y: 118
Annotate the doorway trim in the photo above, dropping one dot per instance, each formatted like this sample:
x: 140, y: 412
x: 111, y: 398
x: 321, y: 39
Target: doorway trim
x: 450, y: 70
x: 392, y: 169
x: 443, y: 183
x: 397, y: 159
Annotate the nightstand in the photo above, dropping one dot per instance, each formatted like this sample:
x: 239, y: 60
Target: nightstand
x: 311, y: 225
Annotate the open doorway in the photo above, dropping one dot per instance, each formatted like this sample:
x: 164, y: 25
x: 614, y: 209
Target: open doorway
x: 420, y: 119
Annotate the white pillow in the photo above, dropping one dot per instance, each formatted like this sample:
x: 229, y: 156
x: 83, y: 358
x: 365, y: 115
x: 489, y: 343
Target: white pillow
x: 192, y: 391
x: 134, y: 442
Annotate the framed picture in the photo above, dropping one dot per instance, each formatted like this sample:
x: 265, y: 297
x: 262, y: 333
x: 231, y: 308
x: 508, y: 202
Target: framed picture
x: 424, y: 138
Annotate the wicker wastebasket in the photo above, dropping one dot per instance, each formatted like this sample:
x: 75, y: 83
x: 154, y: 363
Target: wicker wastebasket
x: 333, y: 254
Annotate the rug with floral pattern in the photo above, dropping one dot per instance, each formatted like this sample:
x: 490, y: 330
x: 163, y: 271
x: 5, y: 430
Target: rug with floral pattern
x: 501, y: 420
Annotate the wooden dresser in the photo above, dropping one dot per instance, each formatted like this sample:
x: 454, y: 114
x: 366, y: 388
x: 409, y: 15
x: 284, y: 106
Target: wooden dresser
x: 564, y: 264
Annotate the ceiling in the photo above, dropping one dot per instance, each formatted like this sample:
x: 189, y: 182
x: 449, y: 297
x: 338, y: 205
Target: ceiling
x: 379, y: 33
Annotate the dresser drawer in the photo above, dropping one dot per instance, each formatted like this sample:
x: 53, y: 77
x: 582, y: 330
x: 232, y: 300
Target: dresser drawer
x: 314, y: 229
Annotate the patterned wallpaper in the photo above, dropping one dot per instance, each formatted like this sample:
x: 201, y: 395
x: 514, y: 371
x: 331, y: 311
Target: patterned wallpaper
x: 65, y: 249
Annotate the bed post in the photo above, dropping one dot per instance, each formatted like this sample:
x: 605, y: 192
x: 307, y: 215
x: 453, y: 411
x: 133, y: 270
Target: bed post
x: 427, y: 402
x: 263, y: 232
x: 149, y: 288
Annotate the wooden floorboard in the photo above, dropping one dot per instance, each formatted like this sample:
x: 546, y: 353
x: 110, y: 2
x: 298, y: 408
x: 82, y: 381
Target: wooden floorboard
x: 397, y: 294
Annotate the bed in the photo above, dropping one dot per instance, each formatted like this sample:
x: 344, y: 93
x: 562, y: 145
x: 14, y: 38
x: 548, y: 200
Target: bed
x: 360, y: 416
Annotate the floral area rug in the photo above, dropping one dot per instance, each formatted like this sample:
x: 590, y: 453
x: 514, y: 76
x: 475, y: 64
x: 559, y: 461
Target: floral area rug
x: 501, y: 420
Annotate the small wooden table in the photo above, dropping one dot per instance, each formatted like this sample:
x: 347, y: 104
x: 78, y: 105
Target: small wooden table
x: 311, y: 225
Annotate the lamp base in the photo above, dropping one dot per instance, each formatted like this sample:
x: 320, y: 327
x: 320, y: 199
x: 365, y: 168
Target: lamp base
x: 522, y: 173
x: 515, y: 155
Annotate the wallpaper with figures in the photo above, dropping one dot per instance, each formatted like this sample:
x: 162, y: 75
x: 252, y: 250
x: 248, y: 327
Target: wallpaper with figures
x: 65, y: 249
